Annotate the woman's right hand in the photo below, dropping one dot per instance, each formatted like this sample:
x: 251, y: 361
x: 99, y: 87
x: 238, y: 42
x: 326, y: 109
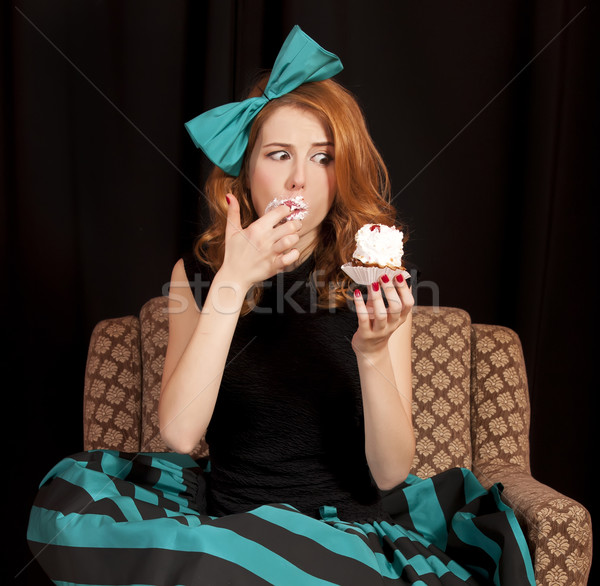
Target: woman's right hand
x: 261, y: 250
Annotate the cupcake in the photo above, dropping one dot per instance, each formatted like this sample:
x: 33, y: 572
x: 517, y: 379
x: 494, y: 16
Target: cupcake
x: 297, y: 205
x: 378, y: 252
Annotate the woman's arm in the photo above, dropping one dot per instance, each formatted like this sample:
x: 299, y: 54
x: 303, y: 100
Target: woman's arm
x: 382, y: 345
x: 199, y: 342
x: 196, y: 353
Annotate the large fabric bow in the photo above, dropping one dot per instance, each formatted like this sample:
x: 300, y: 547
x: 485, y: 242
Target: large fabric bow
x: 222, y: 133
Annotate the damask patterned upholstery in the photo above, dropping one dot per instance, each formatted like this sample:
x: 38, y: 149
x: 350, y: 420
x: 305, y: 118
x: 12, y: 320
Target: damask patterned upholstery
x: 470, y: 409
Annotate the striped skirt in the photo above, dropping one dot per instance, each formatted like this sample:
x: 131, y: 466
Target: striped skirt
x: 106, y: 517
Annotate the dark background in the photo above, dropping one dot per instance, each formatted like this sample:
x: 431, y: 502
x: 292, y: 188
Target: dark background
x: 486, y: 113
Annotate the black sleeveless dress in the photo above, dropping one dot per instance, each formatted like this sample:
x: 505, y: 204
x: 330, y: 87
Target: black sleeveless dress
x: 288, y: 424
x: 287, y: 497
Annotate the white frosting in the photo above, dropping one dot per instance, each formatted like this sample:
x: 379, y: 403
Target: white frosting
x: 297, y: 204
x: 377, y: 244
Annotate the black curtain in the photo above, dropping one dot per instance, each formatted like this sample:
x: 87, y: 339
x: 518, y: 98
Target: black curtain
x: 486, y: 113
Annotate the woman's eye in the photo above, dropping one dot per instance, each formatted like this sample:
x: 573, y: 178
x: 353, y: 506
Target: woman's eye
x: 322, y: 158
x: 279, y: 155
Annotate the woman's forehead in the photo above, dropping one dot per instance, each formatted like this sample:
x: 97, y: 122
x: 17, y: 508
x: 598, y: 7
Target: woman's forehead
x: 291, y: 123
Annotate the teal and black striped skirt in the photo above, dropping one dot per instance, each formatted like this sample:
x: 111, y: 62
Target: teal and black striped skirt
x: 106, y: 517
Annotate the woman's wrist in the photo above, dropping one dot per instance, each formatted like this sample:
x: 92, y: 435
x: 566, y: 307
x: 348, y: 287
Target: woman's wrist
x: 372, y: 356
x: 228, y: 277
x: 227, y: 294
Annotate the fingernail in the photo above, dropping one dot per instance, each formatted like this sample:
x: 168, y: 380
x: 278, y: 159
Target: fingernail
x: 356, y: 292
x: 385, y: 278
x: 375, y: 286
x: 228, y: 200
x: 399, y: 278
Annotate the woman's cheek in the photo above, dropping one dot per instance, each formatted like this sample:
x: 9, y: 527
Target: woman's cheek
x: 260, y: 195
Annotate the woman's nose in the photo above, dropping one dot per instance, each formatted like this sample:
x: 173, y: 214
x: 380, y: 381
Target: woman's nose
x: 297, y: 179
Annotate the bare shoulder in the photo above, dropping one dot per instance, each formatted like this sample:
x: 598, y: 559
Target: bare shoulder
x: 179, y: 269
x: 183, y: 317
x: 181, y: 297
x: 178, y: 274
x: 183, y: 310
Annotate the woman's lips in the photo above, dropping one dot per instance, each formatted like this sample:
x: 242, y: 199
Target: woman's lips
x: 297, y: 205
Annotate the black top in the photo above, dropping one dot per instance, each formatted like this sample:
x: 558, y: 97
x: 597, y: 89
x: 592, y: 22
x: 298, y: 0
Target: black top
x: 288, y: 424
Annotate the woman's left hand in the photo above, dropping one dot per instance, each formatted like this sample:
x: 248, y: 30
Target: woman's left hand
x: 376, y: 322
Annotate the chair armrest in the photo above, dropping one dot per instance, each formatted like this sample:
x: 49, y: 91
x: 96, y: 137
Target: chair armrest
x: 113, y: 387
x: 558, y: 528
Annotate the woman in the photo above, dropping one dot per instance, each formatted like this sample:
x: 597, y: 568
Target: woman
x: 302, y: 388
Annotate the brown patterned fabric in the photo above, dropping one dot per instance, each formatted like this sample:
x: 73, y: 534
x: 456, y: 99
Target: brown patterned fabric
x: 441, y: 364
x: 470, y: 409
x: 112, y: 388
x: 558, y: 528
x: 155, y: 335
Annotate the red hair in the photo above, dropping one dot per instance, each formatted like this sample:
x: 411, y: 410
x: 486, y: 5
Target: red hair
x: 362, y: 196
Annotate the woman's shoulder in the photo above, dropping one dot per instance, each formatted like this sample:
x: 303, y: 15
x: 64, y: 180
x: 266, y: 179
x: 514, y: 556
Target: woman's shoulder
x: 195, y: 269
x: 198, y: 275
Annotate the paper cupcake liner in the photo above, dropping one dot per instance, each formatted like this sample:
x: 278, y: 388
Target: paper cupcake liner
x: 368, y: 275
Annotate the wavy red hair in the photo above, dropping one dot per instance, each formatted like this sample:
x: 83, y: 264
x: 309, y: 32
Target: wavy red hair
x: 363, y: 187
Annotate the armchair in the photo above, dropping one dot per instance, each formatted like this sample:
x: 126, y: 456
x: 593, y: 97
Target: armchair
x: 470, y: 409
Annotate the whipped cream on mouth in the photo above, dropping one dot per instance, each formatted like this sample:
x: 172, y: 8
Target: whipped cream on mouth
x: 297, y: 205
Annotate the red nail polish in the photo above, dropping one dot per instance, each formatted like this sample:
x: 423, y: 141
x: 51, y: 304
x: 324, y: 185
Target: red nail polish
x: 356, y: 292
x: 228, y: 200
x: 375, y: 286
x: 399, y: 278
x: 385, y: 278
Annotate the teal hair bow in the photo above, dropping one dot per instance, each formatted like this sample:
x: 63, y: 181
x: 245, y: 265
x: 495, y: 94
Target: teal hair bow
x: 222, y: 133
